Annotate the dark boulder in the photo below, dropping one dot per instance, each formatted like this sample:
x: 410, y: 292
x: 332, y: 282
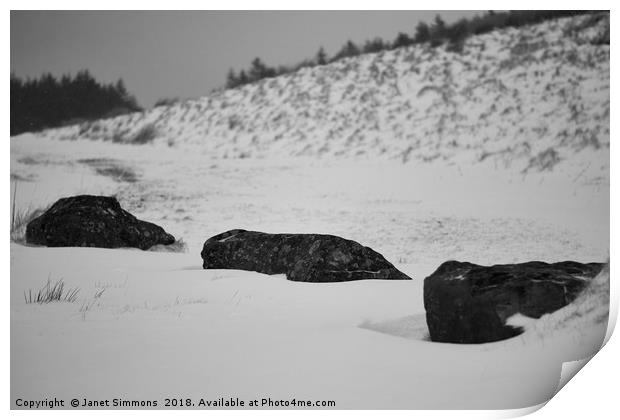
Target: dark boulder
x: 302, y: 257
x: 93, y: 221
x: 469, y: 303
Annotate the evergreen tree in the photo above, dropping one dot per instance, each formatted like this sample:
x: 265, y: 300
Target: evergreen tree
x: 456, y: 35
x: 258, y: 69
x: 439, y: 28
x: 321, y: 57
x: 374, y: 45
x: 348, y: 50
x: 402, y: 40
x: 422, y: 33
x: 120, y: 88
x: 231, y: 79
x: 49, y: 102
x: 243, y: 78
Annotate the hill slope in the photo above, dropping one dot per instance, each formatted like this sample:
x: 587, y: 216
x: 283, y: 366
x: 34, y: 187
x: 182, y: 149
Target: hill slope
x: 537, y: 94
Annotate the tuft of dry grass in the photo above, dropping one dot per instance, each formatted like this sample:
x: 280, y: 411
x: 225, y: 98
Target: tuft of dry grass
x: 20, y: 219
x: 145, y: 135
x: 544, y: 161
x: 51, y: 292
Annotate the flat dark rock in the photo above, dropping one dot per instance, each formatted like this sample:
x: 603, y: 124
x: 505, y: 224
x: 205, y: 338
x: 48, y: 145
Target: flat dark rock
x: 469, y: 303
x: 302, y: 257
x: 93, y: 221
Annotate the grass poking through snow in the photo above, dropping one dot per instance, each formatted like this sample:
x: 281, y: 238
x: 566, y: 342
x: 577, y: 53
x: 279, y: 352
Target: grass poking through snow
x: 52, y: 292
x: 20, y: 219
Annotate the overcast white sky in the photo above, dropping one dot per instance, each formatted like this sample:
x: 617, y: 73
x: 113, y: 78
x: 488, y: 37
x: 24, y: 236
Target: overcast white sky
x: 186, y: 54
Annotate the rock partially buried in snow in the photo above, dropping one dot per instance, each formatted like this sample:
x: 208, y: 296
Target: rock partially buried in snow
x: 469, y: 303
x: 302, y: 257
x: 93, y: 221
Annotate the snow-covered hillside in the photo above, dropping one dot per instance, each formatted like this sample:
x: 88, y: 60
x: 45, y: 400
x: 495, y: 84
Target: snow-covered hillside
x: 537, y: 93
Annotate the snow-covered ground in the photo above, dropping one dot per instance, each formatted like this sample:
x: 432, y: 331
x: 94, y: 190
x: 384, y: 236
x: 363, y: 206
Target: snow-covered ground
x: 151, y: 325
x: 412, y: 213
x: 165, y: 327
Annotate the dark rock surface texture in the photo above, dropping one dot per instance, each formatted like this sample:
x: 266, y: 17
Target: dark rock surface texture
x: 93, y: 221
x: 302, y: 257
x: 469, y: 303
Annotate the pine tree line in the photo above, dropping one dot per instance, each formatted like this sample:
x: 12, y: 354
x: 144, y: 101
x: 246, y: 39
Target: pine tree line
x: 47, y: 102
x: 437, y: 33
